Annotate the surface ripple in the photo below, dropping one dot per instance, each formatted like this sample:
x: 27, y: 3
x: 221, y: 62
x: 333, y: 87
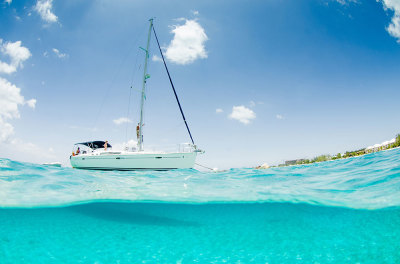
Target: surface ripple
x: 368, y: 182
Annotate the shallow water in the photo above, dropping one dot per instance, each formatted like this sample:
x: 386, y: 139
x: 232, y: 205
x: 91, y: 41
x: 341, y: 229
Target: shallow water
x: 345, y: 211
x: 203, y: 233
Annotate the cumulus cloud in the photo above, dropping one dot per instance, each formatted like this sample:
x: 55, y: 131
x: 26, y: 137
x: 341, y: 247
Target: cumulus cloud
x: 10, y: 94
x: 22, y: 150
x: 219, y: 110
x: 122, y: 120
x: 6, y: 130
x: 59, y: 54
x: 10, y: 100
x: 6, y: 68
x: 17, y: 54
x: 394, y: 26
x: 188, y: 43
x: 44, y: 9
x: 31, y: 103
x: 242, y: 114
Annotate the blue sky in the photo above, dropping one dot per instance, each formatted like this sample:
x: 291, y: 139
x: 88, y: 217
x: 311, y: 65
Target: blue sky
x: 259, y: 81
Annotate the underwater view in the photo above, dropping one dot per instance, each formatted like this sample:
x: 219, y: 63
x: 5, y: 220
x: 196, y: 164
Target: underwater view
x: 343, y: 211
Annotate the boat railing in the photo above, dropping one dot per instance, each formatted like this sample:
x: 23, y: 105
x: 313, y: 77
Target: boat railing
x: 184, y: 147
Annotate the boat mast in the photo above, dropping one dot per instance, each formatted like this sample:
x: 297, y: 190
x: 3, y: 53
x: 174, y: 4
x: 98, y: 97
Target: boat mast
x: 145, y: 77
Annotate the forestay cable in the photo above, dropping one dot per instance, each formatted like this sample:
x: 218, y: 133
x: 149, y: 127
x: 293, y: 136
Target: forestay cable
x: 172, y: 85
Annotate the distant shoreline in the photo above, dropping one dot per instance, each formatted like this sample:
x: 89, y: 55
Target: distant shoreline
x: 387, y: 145
x: 334, y: 159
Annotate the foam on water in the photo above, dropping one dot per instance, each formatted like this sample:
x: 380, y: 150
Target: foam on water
x: 368, y: 182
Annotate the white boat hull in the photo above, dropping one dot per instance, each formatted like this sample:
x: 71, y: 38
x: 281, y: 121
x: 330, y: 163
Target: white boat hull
x: 134, y: 161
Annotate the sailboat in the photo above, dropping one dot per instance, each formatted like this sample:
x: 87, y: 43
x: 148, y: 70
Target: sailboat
x: 98, y: 155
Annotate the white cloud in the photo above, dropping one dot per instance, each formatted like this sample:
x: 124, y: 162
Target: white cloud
x: 43, y: 7
x: 219, y: 110
x: 156, y: 58
x: 242, y: 114
x: 45, y: 54
x: 8, y: 1
x: 394, y: 26
x: 188, y: 43
x: 6, y: 130
x: 195, y: 12
x: 31, y: 103
x: 122, y: 120
x: 10, y: 95
x: 6, y: 68
x: 10, y: 99
x: 19, y: 149
x: 59, y: 54
x: 17, y: 55
x: 382, y: 144
x: 345, y: 2
x: 280, y: 117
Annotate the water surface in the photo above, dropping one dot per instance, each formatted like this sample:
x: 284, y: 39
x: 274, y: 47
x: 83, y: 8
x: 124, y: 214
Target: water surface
x: 344, y: 211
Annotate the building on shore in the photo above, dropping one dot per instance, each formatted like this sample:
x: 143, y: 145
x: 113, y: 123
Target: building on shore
x: 382, y: 146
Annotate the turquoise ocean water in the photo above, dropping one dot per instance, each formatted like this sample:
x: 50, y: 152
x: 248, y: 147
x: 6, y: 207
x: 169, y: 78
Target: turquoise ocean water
x: 345, y: 211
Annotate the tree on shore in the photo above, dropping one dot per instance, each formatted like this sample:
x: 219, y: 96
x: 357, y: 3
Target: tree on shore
x: 321, y: 158
x: 397, y: 141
